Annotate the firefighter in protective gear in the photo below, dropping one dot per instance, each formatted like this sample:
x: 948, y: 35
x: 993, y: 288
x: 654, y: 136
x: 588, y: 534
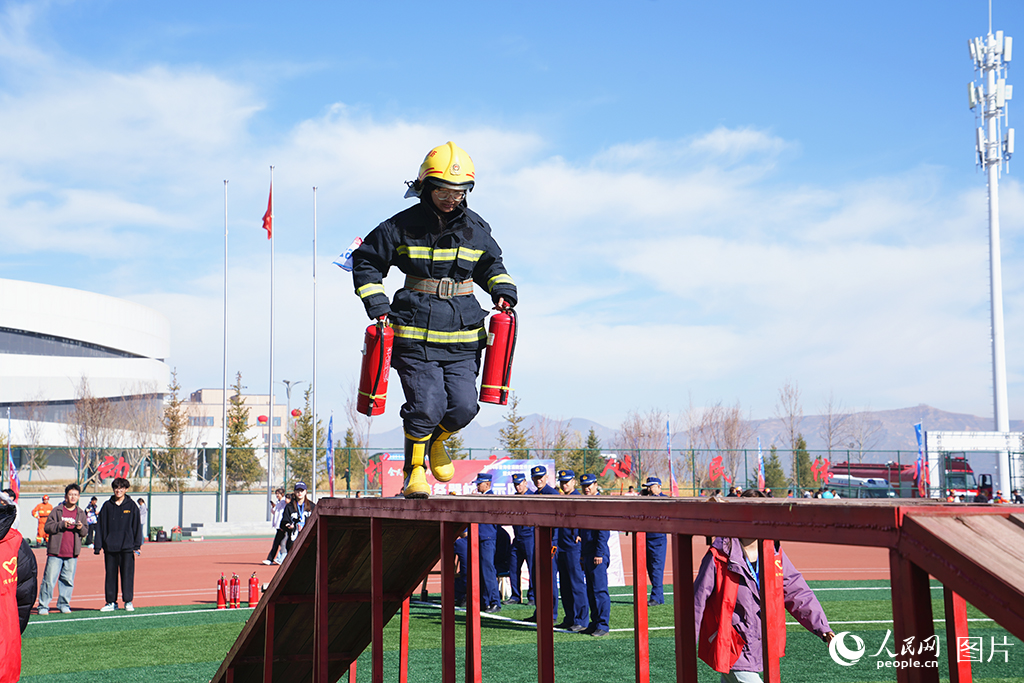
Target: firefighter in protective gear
x: 41, y: 512
x: 443, y: 247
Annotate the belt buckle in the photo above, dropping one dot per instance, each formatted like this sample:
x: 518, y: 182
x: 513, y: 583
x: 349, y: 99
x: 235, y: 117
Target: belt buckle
x: 445, y: 288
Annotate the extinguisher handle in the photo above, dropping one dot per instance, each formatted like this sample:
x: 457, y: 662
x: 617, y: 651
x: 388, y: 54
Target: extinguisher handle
x: 382, y: 321
x: 502, y: 305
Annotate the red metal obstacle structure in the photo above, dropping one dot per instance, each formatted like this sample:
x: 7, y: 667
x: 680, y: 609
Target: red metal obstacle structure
x: 357, y: 560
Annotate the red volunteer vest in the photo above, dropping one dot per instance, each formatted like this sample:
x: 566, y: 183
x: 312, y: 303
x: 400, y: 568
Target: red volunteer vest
x: 720, y: 644
x: 10, y: 630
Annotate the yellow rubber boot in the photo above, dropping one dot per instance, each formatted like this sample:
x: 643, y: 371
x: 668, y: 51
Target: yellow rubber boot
x: 440, y: 464
x: 415, y: 485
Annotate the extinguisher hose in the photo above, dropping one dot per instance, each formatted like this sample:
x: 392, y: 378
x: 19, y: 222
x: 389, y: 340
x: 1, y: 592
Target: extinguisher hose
x: 380, y: 368
x: 507, y: 373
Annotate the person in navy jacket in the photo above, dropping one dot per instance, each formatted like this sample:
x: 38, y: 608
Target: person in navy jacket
x: 490, y: 598
x: 595, y: 557
x: 656, y: 548
x: 522, y: 550
x: 539, y: 475
x: 572, y: 585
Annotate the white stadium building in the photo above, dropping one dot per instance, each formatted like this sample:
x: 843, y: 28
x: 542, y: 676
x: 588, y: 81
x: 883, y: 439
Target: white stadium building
x: 53, y: 337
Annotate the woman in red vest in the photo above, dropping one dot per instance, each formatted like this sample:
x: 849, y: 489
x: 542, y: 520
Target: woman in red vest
x: 727, y: 607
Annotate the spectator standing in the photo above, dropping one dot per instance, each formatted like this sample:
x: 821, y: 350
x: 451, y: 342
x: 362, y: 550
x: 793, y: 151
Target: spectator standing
x: 1016, y: 498
x: 65, y: 526
x: 295, y: 514
x: 91, y: 512
x: 571, y: 585
x: 276, y: 515
x: 10, y: 631
x: 143, y: 517
x: 522, y: 550
x: 596, y: 558
x: 729, y: 630
x: 656, y: 549
x: 41, y: 512
x: 119, y: 536
x: 27, y: 569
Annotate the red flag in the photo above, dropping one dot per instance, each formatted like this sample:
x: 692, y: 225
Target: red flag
x: 268, y: 217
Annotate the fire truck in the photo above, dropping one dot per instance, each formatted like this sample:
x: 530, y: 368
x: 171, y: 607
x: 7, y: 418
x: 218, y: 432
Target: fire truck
x: 957, y: 474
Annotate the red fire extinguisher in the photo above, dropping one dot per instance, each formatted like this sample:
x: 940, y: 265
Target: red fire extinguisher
x: 501, y: 345
x: 222, y: 592
x: 236, y: 589
x: 373, y: 378
x: 254, y: 590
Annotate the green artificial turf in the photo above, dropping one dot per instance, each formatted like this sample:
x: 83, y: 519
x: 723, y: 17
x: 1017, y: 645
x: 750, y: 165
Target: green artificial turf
x: 185, y: 644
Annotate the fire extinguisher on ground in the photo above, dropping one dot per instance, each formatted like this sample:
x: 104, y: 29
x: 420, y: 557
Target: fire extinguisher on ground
x: 236, y: 589
x: 501, y: 345
x: 373, y: 377
x: 254, y: 590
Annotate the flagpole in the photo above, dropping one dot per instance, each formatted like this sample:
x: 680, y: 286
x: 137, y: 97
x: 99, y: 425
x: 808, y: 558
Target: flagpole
x: 270, y: 425
x: 315, y: 434
x: 222, y: 506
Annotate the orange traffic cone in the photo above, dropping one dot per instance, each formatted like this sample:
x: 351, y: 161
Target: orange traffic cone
x: 222, y: 592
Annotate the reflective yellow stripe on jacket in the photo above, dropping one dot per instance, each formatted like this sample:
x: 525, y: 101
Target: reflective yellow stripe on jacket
x: 370, y: 289
x: 430, y: 254
x: 502, y: 279
x: 438, y: 337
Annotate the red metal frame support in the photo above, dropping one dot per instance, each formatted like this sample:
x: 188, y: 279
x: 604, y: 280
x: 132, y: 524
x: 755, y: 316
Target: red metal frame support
x: 682, y: 606
x: 641, y: 637
x: 474, y: 670
x: 773, y: 610
x: 544, y: 596
x: 447, y: 602
x: 956, y: 628
x: 320, y: 608
x: 911, y: 615
x: 403, y: 652
x: 268, y: 645
x: 377, y: 598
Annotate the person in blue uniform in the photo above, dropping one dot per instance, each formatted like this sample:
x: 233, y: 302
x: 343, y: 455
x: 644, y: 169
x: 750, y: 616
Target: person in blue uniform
x: 461, y: 568
x: 572, y: 585
x: 656, y: 548
x: 522, y: 550
x: 490, y: 598
x: 443, y: 248
x: 539, y: 475
x: 596, y: 557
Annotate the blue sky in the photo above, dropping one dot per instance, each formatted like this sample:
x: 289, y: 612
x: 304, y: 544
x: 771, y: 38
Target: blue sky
x: 699, y: 201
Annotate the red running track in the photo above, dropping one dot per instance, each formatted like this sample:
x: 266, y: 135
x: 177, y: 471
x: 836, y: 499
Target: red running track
x: 186, y: 573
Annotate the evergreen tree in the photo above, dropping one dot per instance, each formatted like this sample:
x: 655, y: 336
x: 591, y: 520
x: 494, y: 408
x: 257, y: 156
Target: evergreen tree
x: 174, y: 464
x: 802, y: 476
x: 588, y: 458
x: 242, y: 464
x: 348, y: 459
x: 774, y: 476
x: 300, y: 443
x: 456, y: 447
x: 512, y: 437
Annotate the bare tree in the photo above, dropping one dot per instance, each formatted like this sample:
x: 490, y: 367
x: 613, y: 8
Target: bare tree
x: 727, y: 430
x: 643, y: 434
x: 88, y: 427
x: 790, y: 412
x: 554, y: 438
x: 864, y: 433
x: 835, y: 424
x: 35, y: 458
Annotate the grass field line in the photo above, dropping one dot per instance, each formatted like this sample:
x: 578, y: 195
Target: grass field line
x: 816, y: 590
x: 498, y: 617
x: 40, y: 621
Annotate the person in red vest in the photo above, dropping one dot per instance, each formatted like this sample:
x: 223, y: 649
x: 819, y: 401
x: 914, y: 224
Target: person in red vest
x: 727, y: 587
x: 10, y: 628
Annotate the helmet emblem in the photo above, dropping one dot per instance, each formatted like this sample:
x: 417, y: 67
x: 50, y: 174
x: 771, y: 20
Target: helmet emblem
x: 456, y: 169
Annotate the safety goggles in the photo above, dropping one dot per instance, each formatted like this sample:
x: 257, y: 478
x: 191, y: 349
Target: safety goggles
x: 445, y: 195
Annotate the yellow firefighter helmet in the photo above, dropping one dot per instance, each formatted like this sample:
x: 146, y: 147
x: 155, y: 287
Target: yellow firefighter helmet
x: 448, y: 166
